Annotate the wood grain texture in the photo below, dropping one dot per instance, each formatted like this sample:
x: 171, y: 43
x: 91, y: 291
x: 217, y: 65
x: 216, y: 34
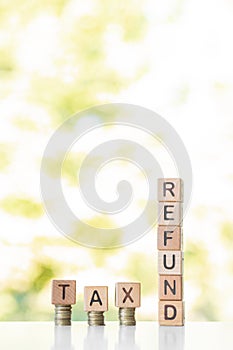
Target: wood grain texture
x: 169, y: 238
x: 128, y: 294
x: 95, y: 298
x: 63, y: 292
x: 170, y: 190
x: 170, y: 262
x: 170, y: 287
x: 171, y: 313
x: 170, y: 213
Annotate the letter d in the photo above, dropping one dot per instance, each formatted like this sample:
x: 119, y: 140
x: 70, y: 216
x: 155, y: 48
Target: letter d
x: 170, y: 315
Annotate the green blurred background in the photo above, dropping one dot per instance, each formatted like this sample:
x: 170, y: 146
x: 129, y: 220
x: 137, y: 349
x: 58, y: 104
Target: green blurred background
x: 59, y: 57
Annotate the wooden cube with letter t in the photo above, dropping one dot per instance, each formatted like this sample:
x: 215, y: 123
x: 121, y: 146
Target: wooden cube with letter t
x: 170, y: 255
x: 63, y: 292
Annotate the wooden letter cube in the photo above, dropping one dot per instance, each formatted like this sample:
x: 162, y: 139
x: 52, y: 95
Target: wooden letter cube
x: 170, y: 190
x: 96, y: 298
x: 170, y: 262
x: 169, y: 238
x: 128, y: 294
x: 170, y: 213
x: 170, y: 287
x: 171, y: 313
x: 63, y: 292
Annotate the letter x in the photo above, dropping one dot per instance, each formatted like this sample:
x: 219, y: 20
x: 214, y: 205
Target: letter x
x: 127, y: 295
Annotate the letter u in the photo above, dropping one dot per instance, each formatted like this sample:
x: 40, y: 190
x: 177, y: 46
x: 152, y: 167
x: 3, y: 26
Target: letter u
x: 165, y: 262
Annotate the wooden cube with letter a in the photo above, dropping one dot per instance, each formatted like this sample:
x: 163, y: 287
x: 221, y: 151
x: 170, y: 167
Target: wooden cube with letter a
x: 128, y: 295
x: 96, y: 298
x: 171, y: 313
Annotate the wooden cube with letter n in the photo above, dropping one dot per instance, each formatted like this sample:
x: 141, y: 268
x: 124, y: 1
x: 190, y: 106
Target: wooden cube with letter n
x: 170, y: 255
x: 170, y: 287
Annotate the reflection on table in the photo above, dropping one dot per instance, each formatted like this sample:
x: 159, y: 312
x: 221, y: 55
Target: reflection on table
x: 62, y: 338
x: 95, y: 338
x: 171, y: 338
x: 126, y: 339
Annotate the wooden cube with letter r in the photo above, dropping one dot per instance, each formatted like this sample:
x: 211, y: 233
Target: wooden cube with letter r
x: 170, y: 190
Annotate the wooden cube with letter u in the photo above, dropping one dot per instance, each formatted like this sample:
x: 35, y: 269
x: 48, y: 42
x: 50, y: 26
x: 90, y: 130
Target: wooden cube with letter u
x: 170, y: 262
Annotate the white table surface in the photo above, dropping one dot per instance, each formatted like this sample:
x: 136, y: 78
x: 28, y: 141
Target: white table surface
x: 145, y: 336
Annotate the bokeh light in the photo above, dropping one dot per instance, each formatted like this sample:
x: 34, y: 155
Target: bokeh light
x: 59, y: 57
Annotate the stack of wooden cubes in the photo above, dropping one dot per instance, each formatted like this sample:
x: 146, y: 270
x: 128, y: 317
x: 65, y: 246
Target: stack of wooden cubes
x: 170, y: 254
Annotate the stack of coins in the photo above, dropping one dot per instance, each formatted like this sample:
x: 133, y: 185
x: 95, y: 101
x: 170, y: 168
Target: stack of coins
x: 170, y: 255
x: 63, y: 315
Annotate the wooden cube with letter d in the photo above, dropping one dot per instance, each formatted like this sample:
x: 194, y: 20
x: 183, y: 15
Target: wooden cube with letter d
x: 171, y: 313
